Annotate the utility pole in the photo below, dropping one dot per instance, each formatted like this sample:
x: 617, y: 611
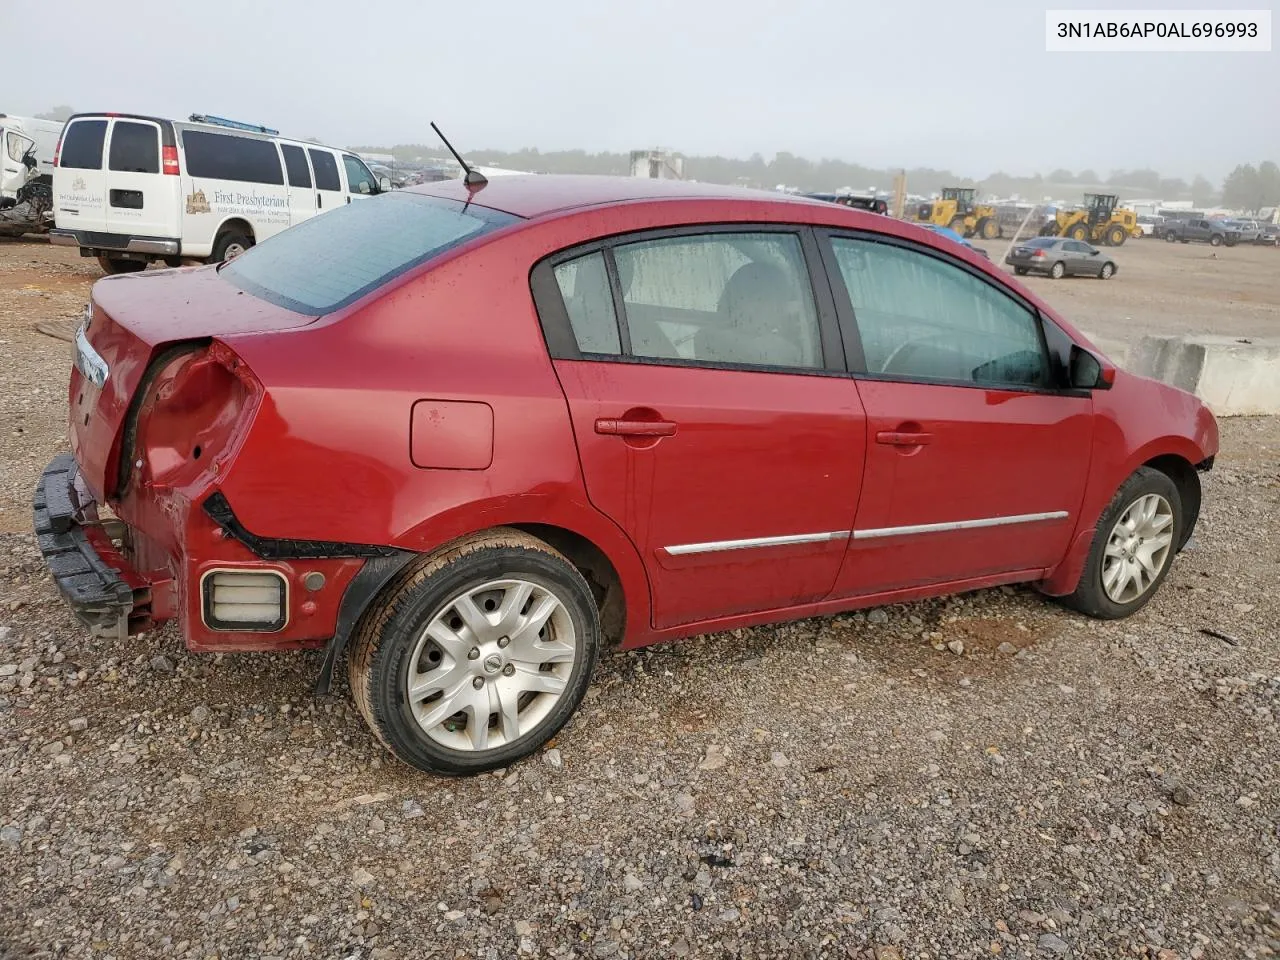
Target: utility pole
x: 899, y: 194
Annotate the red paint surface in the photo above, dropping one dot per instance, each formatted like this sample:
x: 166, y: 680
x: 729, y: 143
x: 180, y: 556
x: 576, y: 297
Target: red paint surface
x: 309, y: 427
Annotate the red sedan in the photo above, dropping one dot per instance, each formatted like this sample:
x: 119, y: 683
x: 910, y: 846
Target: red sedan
x: 470, y: 437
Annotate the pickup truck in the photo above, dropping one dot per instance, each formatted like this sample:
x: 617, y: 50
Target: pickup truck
x: 1213, y: 232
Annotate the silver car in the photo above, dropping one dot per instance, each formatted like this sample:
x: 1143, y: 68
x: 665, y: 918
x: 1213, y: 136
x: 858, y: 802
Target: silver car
x: 1059, y: 257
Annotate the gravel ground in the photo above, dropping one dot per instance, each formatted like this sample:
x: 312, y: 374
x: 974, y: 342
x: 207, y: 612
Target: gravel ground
x: 850, y: 787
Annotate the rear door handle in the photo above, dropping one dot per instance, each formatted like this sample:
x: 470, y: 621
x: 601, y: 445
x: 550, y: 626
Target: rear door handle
x: 898, y: 438
x: 636, y: 428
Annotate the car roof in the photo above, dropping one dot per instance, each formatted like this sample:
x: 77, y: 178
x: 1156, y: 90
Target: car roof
x: 536, y: 195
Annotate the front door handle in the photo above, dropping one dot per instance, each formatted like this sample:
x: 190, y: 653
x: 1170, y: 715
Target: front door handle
x: 636, y: 428
x: 901, y: 438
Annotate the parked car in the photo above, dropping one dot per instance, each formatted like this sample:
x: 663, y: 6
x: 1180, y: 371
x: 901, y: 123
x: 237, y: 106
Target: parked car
x: 129, y: 189
x: 1247, y: 231
x: 954, y: 236
x: 1059, y: 257
x: 470, y: 436
x: 1150, y: 225
x: 1213, y: 232
x: 1270, y: 234
x: 871, y: 204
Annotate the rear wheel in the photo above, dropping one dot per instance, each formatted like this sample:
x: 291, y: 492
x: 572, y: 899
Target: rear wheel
x: 114, y: 265
x: 1058, y: 271
x: 1170, y: 238
x: 478, y: 656
x: 1020, y: 271
x: 957, y: 224
x: 988, y: 229
x: 1132, y: 549
x: 1078, y: 231
x: 230, y: 244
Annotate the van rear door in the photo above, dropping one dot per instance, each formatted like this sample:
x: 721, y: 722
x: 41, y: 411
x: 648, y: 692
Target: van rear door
x: 79, y: 180
x: 329, y: 192
x: 302, y: 195
x: 142, y: 196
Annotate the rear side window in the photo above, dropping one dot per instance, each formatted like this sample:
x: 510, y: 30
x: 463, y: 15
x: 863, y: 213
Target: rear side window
x: 739, y: 298
x: 588, y: 299
x: 135, y: 147
x: 82, y: 145
x: 295, y: 164
x: 222, y: 157
x: 921, y: 318
x: 326, y: 170
x: 326, y: 263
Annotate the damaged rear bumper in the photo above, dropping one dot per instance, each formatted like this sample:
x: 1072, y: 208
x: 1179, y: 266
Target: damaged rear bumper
x: 91, y: 573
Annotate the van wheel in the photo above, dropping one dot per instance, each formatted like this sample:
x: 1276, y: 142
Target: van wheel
x: 114, y: 265
x: 230, y: 244
x: 477, y: 656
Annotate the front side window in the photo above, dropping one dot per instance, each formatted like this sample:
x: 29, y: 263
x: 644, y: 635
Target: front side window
x: 359, y: 178
x: 736, y: 298
x: 135, y: 147
x: 326, y: 263
x: 588, y: 299
x: 82, y: 145
x: 922, y: 318
x: 221, y: 156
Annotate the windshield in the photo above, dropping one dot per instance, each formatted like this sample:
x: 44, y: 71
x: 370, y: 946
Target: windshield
x: 1040, y: 242
x: 333, y: 259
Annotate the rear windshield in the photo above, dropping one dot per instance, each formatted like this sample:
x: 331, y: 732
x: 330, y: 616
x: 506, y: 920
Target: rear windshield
x: 333, y: 259
x: 1039, y: 242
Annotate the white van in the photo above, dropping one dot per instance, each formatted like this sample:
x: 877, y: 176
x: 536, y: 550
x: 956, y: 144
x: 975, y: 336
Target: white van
x: 131, y: 189
x: 20, y: 136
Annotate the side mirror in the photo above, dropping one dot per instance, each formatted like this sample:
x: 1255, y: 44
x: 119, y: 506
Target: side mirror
x: 1089, y: 372
x: 384, y: 184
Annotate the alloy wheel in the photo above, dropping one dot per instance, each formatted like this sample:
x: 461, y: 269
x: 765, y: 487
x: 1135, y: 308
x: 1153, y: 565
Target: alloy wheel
x: 1138, y: 548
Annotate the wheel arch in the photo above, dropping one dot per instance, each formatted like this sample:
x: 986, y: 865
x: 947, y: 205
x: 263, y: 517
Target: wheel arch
x: 1184, y: 476
x: 234, y: 223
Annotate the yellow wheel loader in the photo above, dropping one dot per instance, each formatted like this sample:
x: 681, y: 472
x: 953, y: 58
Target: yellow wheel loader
x: 1100, y: 222
x: 958, y: 211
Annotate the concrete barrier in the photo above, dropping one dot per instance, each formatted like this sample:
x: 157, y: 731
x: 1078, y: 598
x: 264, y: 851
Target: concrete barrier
x: 1233, y: 378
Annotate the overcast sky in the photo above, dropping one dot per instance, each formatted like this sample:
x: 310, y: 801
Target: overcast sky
x: 958, y: 84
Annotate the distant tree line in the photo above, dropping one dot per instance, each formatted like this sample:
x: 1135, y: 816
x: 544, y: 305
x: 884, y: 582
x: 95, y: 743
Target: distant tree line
x: 1251, y: 188
x: 793, y: 171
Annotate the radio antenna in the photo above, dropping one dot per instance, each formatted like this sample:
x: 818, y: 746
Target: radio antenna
x: 473, y: 178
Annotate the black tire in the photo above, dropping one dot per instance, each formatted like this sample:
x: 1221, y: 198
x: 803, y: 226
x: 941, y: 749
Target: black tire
x: 1215, y: 240
x: 1116, y: 236
x: 1170, y: 238
x: 1058, y: 271
x: 173, y: 262
x: 1020, y: 271
x: 1107, y: 271
x: 380, y: 658
x: 957, y: 224
x: 1090, y: 597
x: 987, y: 228
x: 1077, y: 231
x: 230, y: 240
x: 114, y: 265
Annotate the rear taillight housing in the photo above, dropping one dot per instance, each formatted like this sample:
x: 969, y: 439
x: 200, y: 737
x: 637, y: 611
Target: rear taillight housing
x: 1038, y: 253
x: 169, y: 160
x: 190, y: 418
x: 57, y: 150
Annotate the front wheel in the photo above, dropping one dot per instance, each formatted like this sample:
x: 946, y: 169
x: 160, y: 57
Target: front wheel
x: 1132, y: 549
x: 478, y: 656
x: 1107, y: 270
x: 1215, y: 241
